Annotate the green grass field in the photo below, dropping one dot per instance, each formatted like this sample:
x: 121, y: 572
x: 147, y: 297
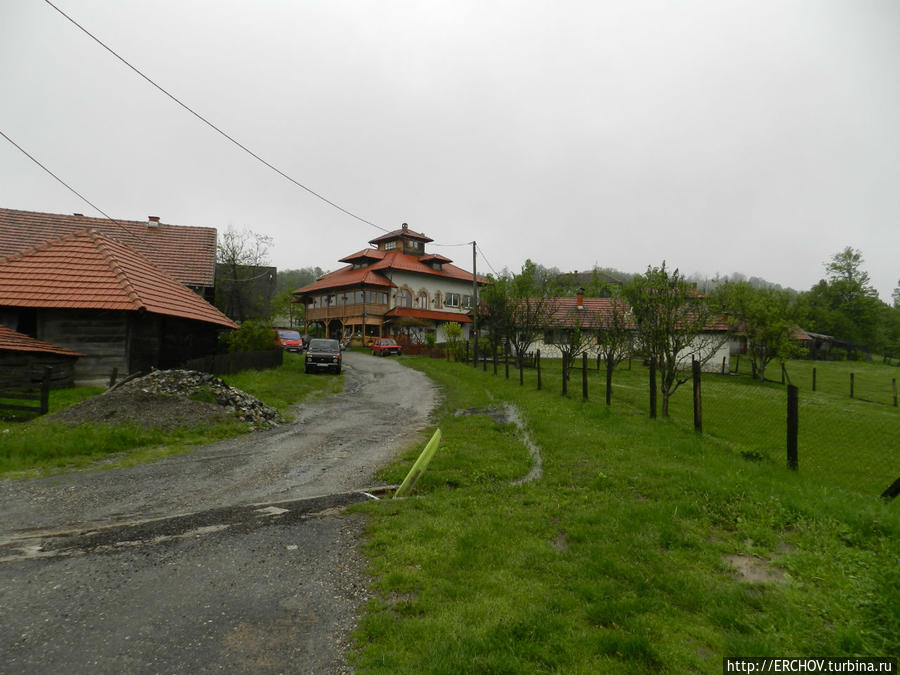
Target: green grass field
x: 34, y: 447
x: 624, y: 557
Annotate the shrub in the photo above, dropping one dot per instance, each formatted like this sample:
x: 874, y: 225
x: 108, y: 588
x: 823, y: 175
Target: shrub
x: 252, y: 336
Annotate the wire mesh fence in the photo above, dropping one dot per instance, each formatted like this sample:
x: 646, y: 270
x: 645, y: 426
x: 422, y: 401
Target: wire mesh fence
x: 848, y: 426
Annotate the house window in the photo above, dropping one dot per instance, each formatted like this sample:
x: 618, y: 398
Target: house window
x: 404, y: 298
x: 438, y: 303
x: 390, y: 245
x: 467, y: 301
x: 422, y: 300
x: 451, y: 299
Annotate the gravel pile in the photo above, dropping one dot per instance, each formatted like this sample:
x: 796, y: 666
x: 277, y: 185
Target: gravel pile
x: 198, y: 386
x: 169, y: 399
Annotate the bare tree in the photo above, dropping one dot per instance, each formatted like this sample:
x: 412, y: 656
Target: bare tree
x: 242, y: 259
x: 615, y: 337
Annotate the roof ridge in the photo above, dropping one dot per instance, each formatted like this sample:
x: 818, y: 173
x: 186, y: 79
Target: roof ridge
x: 100, y: 241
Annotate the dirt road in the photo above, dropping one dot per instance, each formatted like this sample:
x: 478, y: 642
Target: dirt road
x: 231, y: 558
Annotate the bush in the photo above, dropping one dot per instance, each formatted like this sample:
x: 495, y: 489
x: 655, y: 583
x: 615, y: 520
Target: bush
x: 252, y: 336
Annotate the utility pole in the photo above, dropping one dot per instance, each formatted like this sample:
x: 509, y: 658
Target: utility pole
x: 475, y: 301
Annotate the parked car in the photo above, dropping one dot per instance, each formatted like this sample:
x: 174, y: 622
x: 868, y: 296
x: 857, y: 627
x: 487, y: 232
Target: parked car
x: 323, y: 354
x: 385, y: 347
x: 289, y: 340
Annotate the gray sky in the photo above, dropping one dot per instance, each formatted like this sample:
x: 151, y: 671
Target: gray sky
x: 723, y: 136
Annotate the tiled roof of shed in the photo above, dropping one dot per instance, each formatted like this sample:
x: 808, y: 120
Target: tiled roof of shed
x: 88, y: 270
x: 187, y: 253
x: 14, y: 341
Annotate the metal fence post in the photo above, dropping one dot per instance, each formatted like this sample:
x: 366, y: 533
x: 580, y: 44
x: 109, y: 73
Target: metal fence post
x: 698, y: 404
x: 793, y: 425
x: 584, y: 378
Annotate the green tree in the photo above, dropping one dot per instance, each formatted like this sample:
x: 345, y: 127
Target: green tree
x: 765, y: 317
x: 672, y: 321
x: 845, y: 304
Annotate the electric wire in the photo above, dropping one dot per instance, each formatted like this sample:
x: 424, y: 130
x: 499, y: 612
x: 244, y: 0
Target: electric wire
x: 64, y: 183
x: 211, y: 125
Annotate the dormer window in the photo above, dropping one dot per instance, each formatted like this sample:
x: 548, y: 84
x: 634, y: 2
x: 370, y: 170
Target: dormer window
x: 390, y: 245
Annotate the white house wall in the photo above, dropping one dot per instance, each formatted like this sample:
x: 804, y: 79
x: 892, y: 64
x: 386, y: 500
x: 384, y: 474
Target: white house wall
x: 431, y: 285
x: 719, y: 347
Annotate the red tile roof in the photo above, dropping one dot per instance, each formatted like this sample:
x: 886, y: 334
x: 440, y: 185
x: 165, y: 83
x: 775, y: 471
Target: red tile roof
x: 187, y: 253
x: 390, y: 260
x: 597, y: 312
x: 428, y: 314
x: 402, y: 232
x: 13, y: 341
x: 89, y: 270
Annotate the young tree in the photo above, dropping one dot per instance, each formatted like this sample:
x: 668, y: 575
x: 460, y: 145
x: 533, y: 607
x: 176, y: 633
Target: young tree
x: 514, y: 308
x: 766, y: 318
x: 672, y: 319
x: 615, y: 337
x: 572, y: 331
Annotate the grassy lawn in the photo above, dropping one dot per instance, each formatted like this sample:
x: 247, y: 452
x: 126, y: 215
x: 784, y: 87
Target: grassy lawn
x: 29, y: 449
x: 624, y: 557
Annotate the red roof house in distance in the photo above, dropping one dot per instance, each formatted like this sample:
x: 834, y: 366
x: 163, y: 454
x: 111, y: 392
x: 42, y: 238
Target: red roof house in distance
x: 395, y: 288
x: 90, y: 293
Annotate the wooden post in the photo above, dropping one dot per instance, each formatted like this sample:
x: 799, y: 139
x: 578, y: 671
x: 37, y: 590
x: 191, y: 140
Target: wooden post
x: 506, y: 359
x: 698, y: 404
x: 851, y: 385
x: 724, y: 361
x: 653, y: 388
x: 894, y: 386
x: 598, y: 362
x: 793, y: 425
x: 814, y: 378
x: 782, y: 373
x: 584, y: 379
x: 113, y: 376
x: 737, y: 364
x: 45, y: 391
x: 483, y: 360
x: 537, y: 363
x: 494, y: 356
x: 565, y: 373
x: 609, y: 374
x: 467, y: 351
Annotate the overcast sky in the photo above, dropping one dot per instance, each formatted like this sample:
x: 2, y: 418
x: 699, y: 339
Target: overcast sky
x: 721, y: 136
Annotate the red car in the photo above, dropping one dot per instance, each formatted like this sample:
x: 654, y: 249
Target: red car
x: 385, y: 347
x: 289, y: 340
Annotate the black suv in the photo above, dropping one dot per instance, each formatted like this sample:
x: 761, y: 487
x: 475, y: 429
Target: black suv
x: 322, y: 354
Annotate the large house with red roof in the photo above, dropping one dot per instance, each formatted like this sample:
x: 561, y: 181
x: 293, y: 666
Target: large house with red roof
x: 118, y: 295
x: 396, y: 288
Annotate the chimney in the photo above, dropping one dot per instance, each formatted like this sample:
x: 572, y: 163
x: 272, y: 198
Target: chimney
x: 579, y: 299
x: 152, y: 221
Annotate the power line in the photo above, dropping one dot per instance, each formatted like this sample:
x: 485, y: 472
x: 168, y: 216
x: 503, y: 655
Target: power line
x: 486, y: 260
x: 211, y: 125
x: 64, y: 183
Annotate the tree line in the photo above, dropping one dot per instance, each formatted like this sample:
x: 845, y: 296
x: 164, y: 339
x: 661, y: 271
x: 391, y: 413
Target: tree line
x: 665, y: 318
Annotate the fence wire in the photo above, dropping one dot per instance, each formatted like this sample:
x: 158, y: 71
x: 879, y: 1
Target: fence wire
x: 849, y: 425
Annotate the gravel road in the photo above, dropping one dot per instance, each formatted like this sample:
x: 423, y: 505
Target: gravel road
x: 233, y: 558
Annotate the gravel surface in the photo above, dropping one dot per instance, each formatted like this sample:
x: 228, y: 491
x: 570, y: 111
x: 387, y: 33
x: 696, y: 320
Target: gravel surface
x: 236, y: 557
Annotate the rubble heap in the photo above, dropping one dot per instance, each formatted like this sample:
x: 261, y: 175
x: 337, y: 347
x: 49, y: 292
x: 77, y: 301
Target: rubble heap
x: 198, y: 386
